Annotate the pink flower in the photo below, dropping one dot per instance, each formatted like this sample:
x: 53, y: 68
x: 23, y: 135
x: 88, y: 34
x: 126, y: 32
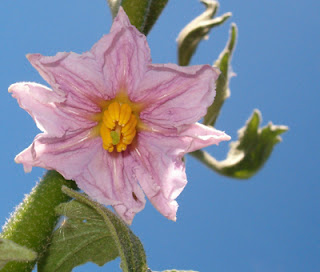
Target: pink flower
x: 116, y: 123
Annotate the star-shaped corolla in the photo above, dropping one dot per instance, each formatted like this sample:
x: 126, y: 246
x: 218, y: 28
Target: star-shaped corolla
x: 116, y: 123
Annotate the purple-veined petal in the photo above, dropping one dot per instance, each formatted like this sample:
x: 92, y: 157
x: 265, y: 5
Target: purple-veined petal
x: 123, y: 55
x: 176, y: 95
x: 160, y: 170
x: 68, y: 154
x: 77, y: 77
x: 47, y: 110
x: 159, y: 167
x: 109, y: 179
x: 117, y: 62
x: 199, y: 136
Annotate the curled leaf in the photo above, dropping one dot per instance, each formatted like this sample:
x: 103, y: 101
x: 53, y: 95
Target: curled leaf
x: 198, y: 29
x: 247, y: 155
x: 222, y: 85
x: 10, y: 251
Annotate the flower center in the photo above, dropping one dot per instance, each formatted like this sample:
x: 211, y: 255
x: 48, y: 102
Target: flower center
x: 118, y: 127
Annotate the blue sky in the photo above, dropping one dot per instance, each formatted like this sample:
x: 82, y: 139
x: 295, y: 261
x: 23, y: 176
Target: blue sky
x: 268, y: 223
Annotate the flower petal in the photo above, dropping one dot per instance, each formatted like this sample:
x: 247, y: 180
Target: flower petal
x: 76, y: 77
x: 117, y: 62
x: 160, y: 170
x: 199, y: 136
x: 46, y: 108
x: 159, y: 167
x: 176, y: 95
x: 67, y: 154
x: 123, y: 55
x: 108, y: 178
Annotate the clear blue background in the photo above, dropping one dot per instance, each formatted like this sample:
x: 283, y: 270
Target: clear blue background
x: 268, y: 223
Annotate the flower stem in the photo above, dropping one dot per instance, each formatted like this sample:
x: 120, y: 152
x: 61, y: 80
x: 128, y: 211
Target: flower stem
x: 34, y: 219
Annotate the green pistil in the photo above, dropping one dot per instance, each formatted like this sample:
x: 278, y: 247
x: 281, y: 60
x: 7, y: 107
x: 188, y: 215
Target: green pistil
x: 115, y: 137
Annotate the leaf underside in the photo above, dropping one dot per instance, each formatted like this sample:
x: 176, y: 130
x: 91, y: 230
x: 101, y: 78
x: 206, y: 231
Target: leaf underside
x: 90, y: 232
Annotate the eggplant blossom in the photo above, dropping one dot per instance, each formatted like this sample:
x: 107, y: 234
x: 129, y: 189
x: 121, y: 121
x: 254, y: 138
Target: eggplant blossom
x: 116, y: 123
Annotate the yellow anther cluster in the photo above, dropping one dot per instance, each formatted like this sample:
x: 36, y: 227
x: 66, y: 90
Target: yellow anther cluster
x: 118, y: 127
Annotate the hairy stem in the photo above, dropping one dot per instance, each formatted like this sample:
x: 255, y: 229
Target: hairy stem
x: 33, y: 221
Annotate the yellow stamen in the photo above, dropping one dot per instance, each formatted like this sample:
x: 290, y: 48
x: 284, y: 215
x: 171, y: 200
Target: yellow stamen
x: 118, y: 127
x: 106, y: 137
x: 129, y: 131
x: 110, y: 149
x: 114, y: 111
x: 129, y: 138
x: 132, y: 123
x: 107, y: 120
x: 121, y: 146
x: 124, y: 114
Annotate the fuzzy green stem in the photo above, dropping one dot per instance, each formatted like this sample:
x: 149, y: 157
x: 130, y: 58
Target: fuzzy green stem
x: 34, y: 219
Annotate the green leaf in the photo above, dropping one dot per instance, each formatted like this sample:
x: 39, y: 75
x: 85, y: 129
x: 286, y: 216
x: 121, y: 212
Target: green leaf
x: 155, y: 9
x: 142, y: 13
x: 10, y: 251
x: 249, y: 153
x: 198, y: 29
x: 222, y: 87
x: 137, y: 12
x: 82, y: 237
x: 91, y: 232
x: 32, y: 223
